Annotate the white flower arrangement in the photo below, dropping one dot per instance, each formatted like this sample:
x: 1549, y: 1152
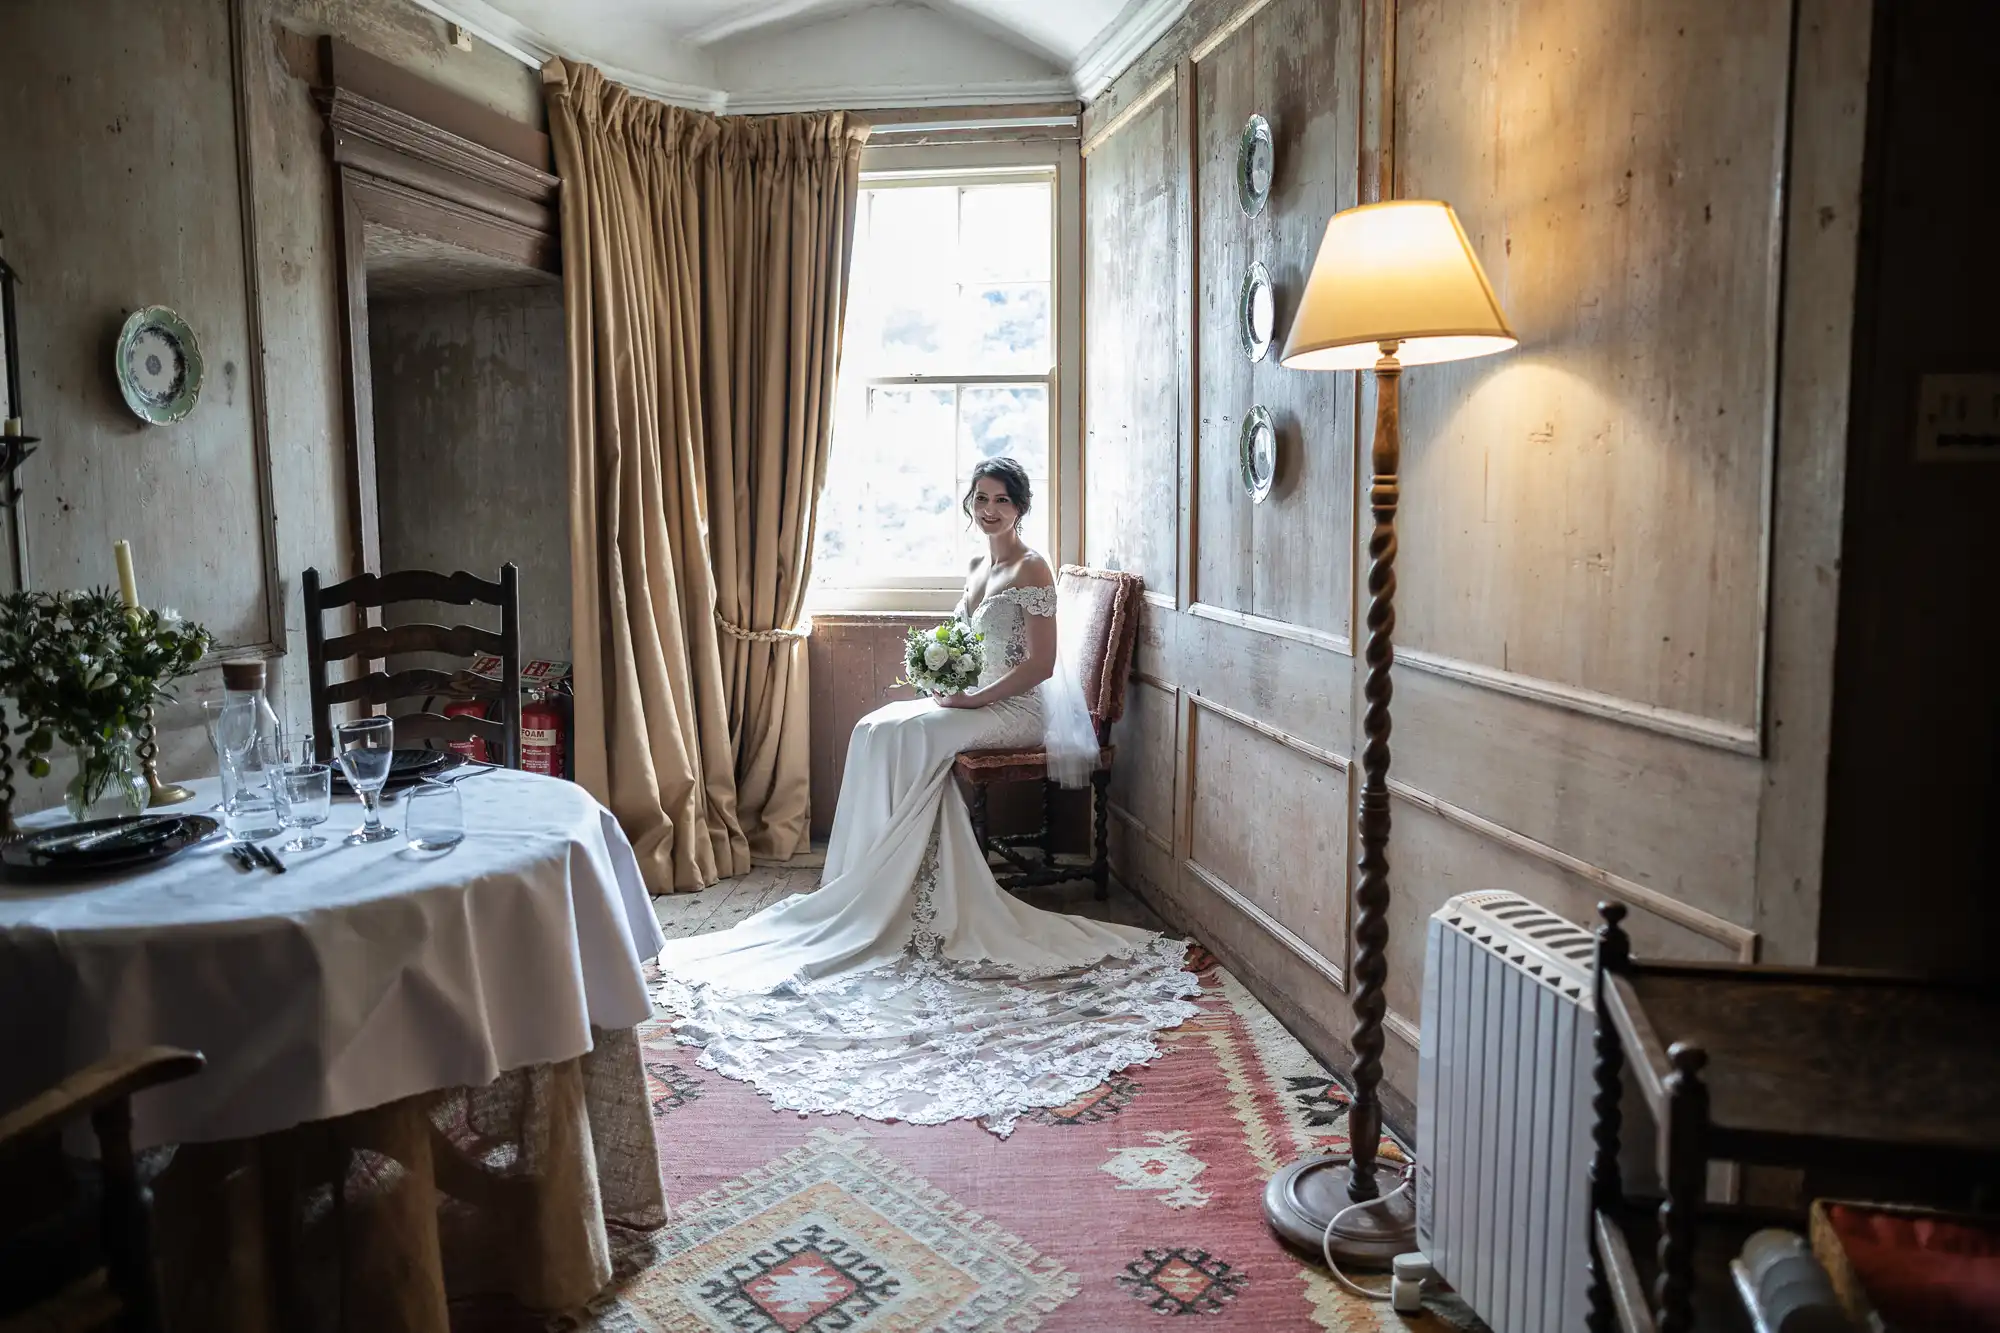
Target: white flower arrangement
x: 945, y: 660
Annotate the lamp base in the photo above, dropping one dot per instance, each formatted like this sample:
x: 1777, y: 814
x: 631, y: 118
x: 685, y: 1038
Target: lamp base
x: 1305, y: 1196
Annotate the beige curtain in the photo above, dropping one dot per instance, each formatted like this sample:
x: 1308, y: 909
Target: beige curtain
x: 704, y: 273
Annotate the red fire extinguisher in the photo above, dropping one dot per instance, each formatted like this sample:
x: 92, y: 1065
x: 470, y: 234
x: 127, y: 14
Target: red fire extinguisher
x: 542, y: 736
x: 474, y: 749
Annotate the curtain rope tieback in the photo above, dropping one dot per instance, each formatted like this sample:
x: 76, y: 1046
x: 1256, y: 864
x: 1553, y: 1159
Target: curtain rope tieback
x: 765, y: 635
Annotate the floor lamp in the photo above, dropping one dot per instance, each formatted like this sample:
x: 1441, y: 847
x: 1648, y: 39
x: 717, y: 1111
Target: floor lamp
x: 1395, y: 284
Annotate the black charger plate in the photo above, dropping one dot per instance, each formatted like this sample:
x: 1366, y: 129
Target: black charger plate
x: 44, y: 856
x: 407, y: 768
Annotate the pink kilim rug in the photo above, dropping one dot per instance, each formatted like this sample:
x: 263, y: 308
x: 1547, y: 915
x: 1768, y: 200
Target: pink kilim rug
x: 1135, y: 1207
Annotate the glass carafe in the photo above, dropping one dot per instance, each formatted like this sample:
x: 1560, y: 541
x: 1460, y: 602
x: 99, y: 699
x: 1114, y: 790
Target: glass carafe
x: 249, y: 748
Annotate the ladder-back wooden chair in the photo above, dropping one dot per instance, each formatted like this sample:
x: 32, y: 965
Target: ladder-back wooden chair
x: 1102, y: 606
x: 368, y: 645
x: 76, y: 1245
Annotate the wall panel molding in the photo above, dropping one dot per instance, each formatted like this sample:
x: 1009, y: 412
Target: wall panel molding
x: 1159, y: 88
x: 1208, y: 45
x: 1285, y: 738
x: 1138, y: 826
x: 1740, y: 939
x: 1735, y: 738
x: 1267, y: 923
x: 1280, y: 629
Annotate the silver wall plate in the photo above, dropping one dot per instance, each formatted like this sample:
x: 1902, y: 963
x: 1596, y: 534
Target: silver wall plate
x: 158, y: 364
x: 1257, y: 453
x: 1257, y: 312
x: 1256, y: 162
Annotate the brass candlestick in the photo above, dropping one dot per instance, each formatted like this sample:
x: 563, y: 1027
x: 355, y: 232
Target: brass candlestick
x: 160, y: 793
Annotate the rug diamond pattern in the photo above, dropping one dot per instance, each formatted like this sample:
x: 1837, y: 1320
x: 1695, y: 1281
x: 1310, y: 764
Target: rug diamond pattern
x: 1136, y: 1207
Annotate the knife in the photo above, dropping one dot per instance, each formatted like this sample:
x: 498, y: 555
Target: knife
x: 269, y: 858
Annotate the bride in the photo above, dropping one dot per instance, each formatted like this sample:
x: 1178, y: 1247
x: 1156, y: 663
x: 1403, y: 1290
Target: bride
x: 910, y: 986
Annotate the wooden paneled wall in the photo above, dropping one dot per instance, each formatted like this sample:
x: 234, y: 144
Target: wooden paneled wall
x: 173, y: 155
x: 1618, y: 543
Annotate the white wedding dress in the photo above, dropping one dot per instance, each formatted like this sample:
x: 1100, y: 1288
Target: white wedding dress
x: 910, y: 986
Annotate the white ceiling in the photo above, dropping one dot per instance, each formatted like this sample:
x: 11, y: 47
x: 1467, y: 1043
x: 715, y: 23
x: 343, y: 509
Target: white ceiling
x: 771, y: 55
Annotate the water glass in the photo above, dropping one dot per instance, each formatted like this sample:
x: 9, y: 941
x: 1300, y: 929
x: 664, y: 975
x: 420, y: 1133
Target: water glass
x: 305, y: 799
x: 434, y: 817
x: 366, y: 748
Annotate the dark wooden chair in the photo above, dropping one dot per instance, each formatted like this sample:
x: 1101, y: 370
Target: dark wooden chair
x: 75, y: 1238
x: 1102, y: 605
x: 373, y: 643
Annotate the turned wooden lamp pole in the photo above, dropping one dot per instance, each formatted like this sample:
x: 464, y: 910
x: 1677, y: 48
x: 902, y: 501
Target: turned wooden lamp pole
x: 1394, y: 284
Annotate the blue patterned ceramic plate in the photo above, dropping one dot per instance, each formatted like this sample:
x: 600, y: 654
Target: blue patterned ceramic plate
x: 158, y: 365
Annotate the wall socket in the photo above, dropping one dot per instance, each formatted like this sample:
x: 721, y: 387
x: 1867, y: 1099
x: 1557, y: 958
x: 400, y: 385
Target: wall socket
x: 1958, y: 419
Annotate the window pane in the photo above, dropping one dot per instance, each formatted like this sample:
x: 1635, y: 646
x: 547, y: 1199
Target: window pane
x: 1011, y: 421
x: 1005, y: 234
x: 1008, y: 328
x: 902, y: 317
x: 949, y: 281
x: 889, y: 507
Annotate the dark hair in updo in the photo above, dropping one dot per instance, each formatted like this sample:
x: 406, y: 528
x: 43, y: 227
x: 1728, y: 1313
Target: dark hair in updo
x: 1009, y: 474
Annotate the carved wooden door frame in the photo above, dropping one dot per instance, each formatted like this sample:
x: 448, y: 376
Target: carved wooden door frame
x: 396, y: 169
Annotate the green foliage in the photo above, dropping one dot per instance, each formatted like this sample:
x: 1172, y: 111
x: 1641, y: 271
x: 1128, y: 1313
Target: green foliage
x: 959, y: 654
x: 80, y: 667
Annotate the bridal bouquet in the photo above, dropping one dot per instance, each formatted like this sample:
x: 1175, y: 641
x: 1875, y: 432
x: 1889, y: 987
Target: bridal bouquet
x: 945, y: 660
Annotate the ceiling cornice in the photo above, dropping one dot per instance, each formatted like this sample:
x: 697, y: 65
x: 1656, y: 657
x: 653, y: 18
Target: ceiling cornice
x: 1122, y: 43
x: 864, y: 97
x: 1106, y: 58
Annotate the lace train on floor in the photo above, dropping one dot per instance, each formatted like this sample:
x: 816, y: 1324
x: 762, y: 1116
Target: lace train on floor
x: 926, y: 1040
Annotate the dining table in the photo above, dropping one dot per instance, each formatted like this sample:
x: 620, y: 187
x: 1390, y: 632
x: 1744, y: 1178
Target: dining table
x: 423, y: 1081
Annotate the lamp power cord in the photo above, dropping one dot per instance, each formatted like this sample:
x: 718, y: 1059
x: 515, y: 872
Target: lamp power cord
x: 1326, y: 1239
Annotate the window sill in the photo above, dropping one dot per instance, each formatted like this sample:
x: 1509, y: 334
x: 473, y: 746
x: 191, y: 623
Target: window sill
x: 830, y: 603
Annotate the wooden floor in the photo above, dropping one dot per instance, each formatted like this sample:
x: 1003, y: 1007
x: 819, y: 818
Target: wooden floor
x: 722, y: 905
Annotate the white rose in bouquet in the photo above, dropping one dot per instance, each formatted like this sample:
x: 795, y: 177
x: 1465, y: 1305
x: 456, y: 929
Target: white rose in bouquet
x: 945, y: 660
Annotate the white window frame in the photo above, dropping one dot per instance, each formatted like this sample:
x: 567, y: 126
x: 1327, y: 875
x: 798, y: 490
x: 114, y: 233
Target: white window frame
x: 888, y: 167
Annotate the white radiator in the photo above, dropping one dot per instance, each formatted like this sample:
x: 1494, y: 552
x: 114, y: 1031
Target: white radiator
x: 1503, y: 1110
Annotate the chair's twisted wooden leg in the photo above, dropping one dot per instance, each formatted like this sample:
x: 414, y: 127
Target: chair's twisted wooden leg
x: 1100, y: 808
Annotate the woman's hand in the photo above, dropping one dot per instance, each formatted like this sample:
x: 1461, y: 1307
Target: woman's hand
x: 960, y: 700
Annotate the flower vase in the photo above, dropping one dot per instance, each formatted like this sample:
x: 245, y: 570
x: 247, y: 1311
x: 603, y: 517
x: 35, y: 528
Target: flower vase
x: 110, y: 781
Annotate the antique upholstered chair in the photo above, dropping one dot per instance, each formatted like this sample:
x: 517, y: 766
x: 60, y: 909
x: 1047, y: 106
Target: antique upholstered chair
x: 1102, y: 606
x: 76, y: 1247
x: 502, y: 735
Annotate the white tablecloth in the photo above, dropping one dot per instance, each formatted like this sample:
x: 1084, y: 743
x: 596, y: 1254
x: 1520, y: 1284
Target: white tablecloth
x: 362, y: 975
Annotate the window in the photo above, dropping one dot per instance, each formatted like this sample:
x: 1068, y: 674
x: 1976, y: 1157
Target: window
x: 949, y: 358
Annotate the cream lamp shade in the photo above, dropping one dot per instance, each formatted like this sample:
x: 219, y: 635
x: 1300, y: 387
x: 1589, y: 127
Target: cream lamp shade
x: 1398, y: 272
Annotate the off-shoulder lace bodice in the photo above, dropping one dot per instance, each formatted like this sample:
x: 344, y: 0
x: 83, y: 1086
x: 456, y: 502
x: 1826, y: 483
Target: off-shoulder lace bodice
x: 1003, y: 619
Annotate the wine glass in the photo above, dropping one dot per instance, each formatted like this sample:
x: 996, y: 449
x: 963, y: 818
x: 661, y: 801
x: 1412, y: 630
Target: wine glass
x: 367, y: 748
x: 306, y: 801
x: 434, y: 817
